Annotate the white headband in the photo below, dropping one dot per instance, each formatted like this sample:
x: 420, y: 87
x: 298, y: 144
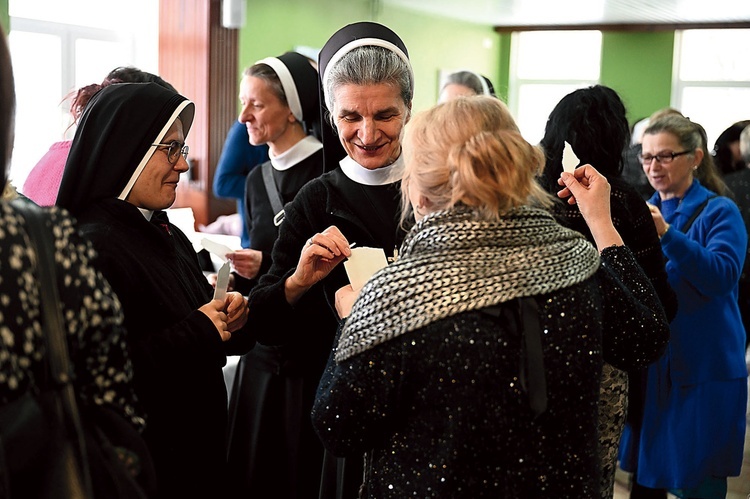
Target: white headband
x: 287, y: 83
x: 361, y: 42
x: 151, y: 149
x: 485, y: 87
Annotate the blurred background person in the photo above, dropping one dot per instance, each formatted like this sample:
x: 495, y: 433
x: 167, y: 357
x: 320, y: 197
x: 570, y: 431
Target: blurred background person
x: 367, y: 84
x: 703, y: 372
x: 463, y: 84
x: 726, y: 152
x: 122, y: 173
x: 238, y: 157
x: 43, y: 182
x: 739, y: 183
x: 593, y: 121
x: 268, y: 430
x: 460, y: 371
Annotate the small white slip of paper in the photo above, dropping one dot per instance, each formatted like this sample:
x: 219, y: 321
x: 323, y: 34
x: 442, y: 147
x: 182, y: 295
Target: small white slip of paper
x: 363, y: 263
x: 569, y: 160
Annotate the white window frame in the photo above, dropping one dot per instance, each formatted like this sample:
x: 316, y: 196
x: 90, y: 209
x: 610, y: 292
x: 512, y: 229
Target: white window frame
x: 515, y: 83
x: 679, y: 86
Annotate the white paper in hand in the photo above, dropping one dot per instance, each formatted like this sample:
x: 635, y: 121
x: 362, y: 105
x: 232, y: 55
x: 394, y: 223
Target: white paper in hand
x: 569, y: 160
x: 217, y: 249
x: 363, y: 263
x: 222, y: 282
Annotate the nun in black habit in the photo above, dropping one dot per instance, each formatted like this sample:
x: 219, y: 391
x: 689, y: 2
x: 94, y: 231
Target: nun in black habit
x: 122, y: 172
x: 367, y: 84
x: 270, y: 436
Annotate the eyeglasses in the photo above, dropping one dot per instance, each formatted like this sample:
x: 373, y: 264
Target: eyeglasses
x: 664, y: 158
x: 174, y: 149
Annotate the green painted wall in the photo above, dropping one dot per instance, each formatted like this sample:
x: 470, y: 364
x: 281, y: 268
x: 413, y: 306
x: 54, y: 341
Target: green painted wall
x: 639, y: 67
x: 4, y: 17
x: 433, y: 42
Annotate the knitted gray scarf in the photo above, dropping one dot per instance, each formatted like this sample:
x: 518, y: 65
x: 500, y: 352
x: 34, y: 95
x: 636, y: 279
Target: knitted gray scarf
x: 452, y: 262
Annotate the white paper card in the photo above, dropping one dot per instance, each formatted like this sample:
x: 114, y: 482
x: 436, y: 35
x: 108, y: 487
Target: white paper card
x: 222, y: 282
x: 363, y: 263
x: 569, y: 160
x: 217, y: 249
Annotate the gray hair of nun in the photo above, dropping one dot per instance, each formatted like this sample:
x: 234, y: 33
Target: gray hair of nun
x: 467, y: 79
x: 369, y: 65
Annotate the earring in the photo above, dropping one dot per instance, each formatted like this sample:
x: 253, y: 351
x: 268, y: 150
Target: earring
x: 417, y: 208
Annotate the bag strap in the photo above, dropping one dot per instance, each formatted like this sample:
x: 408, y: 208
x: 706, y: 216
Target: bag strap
x: 58, y: 359
x: 695, y: 214
x: 273, y: 193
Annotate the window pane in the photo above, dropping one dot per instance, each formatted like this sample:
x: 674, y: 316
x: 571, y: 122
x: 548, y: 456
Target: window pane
x: 546, y: 55
x: 96, y: 58
x: 39, y: 116
x: 716, y: 108
x: 93, y: 13
x: 717, y: 55
x: 535, y: 103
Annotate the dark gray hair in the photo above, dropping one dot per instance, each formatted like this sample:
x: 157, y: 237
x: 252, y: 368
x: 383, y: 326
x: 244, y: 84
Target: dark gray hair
x: 467, y: 79
x: 370, y: 65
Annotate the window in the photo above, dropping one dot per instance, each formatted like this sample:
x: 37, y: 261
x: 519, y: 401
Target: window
x: 57, y: 47
x: 711, y: 83
x: 542, y: 73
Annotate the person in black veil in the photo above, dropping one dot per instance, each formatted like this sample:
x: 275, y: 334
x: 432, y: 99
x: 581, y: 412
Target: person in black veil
x: 268, y: 430
x: 367, y: 86
x: 122, y: 173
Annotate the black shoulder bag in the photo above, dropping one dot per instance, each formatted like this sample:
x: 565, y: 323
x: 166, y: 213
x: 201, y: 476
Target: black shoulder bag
x: 273, y: 193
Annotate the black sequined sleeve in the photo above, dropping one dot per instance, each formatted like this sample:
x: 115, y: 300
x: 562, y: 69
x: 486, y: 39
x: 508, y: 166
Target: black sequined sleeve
x: 635, y: 329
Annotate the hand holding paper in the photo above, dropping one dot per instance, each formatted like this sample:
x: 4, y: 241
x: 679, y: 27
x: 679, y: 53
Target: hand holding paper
x: 569, y: 159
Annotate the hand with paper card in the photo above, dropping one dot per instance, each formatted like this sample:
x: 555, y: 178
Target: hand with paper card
x: 320, y: 255
x: 246, y: 262
x: 587, y: 188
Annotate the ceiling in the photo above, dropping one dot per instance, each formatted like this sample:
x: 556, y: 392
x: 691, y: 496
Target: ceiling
x: 571, y: 14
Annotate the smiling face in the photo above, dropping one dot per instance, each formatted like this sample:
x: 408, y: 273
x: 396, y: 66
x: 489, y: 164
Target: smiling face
x: 267, y: 118
x: 369, y: 120
x: 156, y: 185
x: 674, y: 178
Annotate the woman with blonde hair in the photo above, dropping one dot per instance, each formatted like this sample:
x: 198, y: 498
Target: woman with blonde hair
x: 469, y: 367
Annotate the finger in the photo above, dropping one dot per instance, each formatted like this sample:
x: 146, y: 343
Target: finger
x: 572, y: 184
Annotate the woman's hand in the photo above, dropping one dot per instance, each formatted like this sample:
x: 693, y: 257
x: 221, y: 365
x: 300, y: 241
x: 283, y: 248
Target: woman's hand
x: 590, y: 190
x: 236, y: 310
x: 661, y: 225
x: 345, y: 298
x: 214, y: 310
x: 246, y: 262
x: 320, y: 255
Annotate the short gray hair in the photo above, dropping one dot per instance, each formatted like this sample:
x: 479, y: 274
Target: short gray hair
x: 370, y: 65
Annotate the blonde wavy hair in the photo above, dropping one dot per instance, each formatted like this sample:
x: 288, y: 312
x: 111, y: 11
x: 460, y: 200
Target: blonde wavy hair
x: 469, y: 152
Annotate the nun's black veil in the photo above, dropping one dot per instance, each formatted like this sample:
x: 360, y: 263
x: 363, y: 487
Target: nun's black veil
x: 306, y: 83
x: 114, y: 135
x: 332, y: 149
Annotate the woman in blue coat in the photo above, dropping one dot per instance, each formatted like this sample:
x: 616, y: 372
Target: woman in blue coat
x: 693, y: 429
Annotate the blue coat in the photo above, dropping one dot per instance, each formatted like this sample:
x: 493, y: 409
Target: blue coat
x: 694, y: 423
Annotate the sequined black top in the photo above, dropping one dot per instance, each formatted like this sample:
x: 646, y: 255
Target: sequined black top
x: 441, y: 411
